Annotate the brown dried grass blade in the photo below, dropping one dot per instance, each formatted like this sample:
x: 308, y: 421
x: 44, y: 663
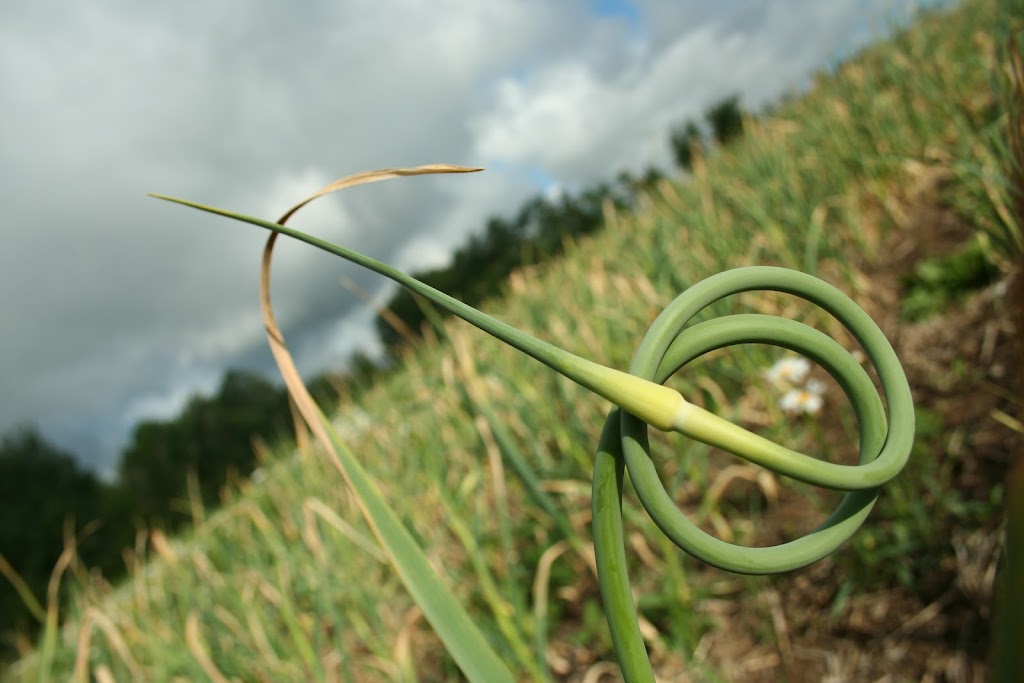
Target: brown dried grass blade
x: 365, y: 177
x: 299, y: 394
x: 274, y: 336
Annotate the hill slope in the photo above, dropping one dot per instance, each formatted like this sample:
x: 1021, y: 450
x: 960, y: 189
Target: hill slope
x: 859, y: 182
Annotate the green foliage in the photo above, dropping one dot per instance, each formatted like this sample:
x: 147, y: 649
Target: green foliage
x: 726, y: 119
x: 942, y: 281
x: 46, y: 496
x: 686, y: 143
x: 1008, y: 645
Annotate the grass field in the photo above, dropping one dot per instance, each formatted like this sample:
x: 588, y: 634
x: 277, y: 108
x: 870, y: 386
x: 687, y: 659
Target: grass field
x: 892, y: 165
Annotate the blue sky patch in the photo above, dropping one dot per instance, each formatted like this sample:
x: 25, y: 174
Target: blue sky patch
x: 617, y: 9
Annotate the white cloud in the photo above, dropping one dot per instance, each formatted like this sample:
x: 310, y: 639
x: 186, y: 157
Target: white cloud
x: 171, y: 400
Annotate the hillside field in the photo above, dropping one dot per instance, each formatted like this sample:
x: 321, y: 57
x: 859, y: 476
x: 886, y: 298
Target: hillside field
x: 890, y: 180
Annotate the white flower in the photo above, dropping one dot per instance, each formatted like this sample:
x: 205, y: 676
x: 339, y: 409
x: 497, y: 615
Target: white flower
x: 352, y: 422
x: 788, y: 372
x: 797, y: 401
x: 800, y: 393
x: 815, y: 386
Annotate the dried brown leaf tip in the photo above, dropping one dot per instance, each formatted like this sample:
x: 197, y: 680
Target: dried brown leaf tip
x: 364, y: 177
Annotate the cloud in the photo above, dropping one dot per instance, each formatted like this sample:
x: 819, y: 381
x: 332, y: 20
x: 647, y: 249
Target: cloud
x: 116, y: 306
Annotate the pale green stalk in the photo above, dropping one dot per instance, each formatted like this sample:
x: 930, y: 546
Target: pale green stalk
x: 655, y: 404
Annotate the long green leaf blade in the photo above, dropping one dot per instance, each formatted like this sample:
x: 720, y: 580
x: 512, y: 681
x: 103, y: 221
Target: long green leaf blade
x: 466, y: 644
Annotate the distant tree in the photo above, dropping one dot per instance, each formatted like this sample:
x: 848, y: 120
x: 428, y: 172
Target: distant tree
x: 401, y: 307
x: 212, y: 437
x: 480, y: 267
x: 362, y: 369
x: 634, y: 184
x: 726, y: 119
x: 686, y: 141
x: 42, y: 488
x: 324, y: 389
x: 652, y: 176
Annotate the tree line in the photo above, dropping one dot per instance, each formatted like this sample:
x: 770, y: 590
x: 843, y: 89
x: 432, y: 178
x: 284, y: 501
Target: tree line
x: 540, y: 230
x: 47, y: 497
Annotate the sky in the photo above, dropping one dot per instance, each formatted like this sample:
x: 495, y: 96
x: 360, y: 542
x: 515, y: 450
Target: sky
x: 117, y: 307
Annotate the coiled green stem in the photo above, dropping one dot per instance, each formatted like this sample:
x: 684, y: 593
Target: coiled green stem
x: 668, y: 346
x: 642, y: 400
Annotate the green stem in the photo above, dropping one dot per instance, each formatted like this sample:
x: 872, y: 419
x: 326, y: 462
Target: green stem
x: 655, y: 404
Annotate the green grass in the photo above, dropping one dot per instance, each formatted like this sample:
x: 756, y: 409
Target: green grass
x: 486, y: 455
x: 942, y: 281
